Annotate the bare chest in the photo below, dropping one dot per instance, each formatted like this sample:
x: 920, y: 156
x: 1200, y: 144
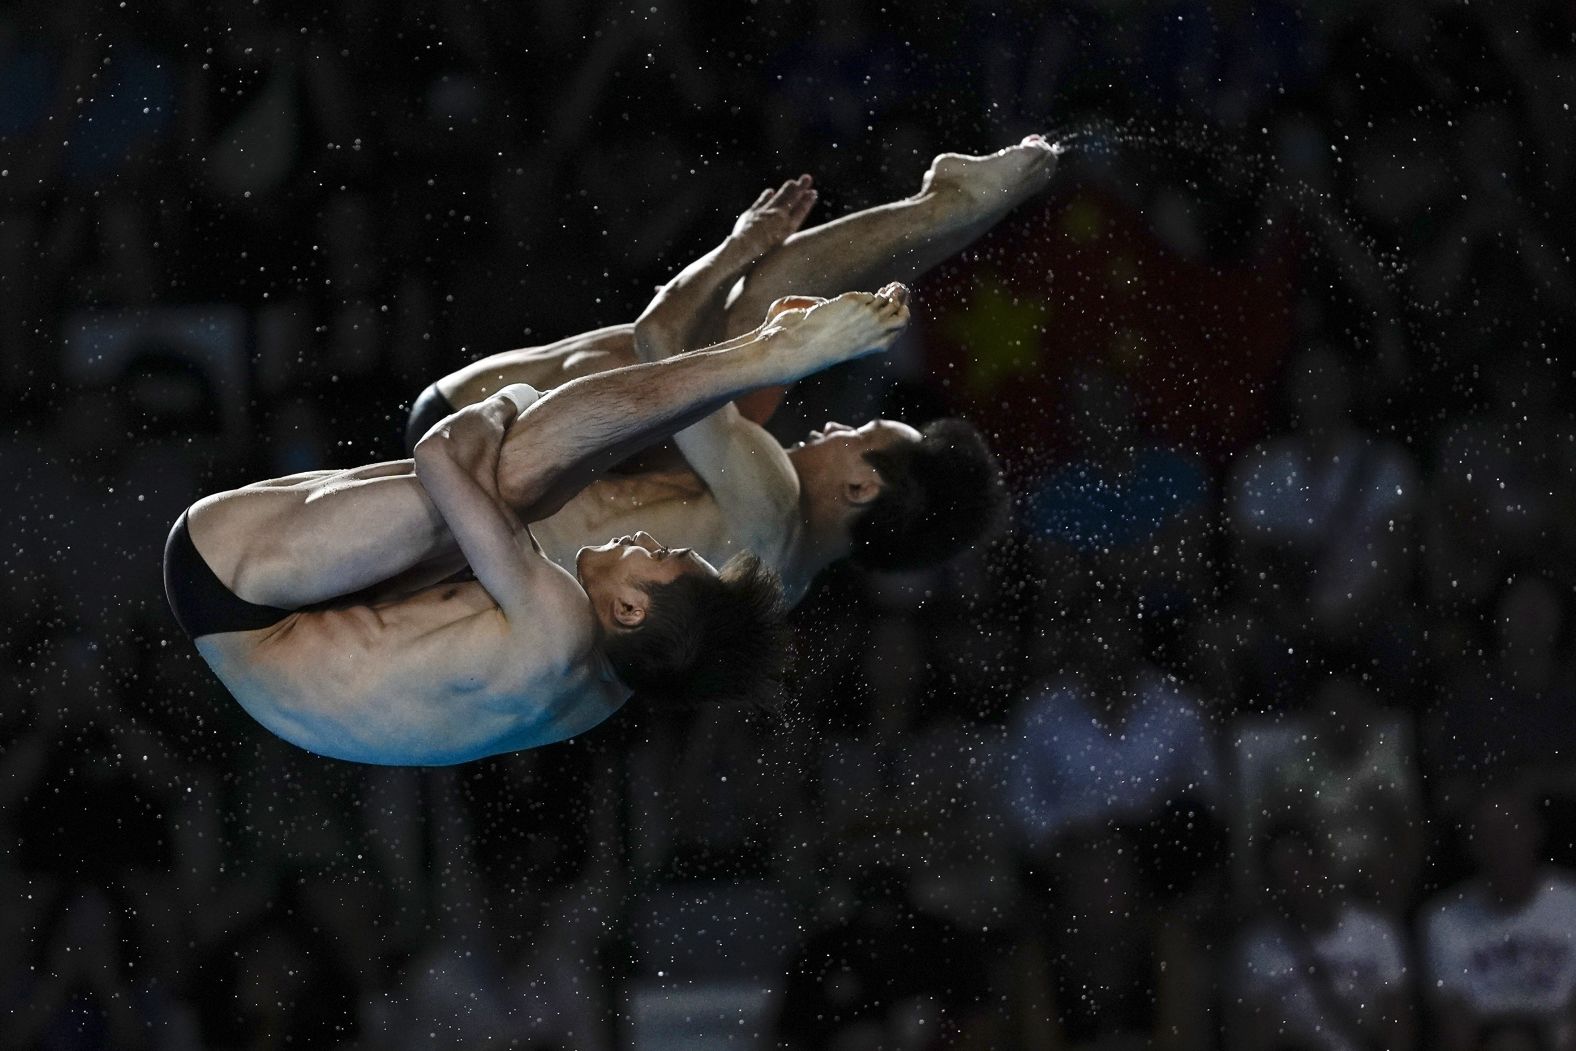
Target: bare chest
x: 672, y: 506
x: 437, y: 678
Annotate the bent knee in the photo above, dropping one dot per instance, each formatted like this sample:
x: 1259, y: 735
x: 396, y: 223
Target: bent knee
x: 239, y: 534
x: 266, y: 572
x: 523, y: 395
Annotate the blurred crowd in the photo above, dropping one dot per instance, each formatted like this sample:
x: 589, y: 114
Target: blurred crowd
x: 1251, y: 733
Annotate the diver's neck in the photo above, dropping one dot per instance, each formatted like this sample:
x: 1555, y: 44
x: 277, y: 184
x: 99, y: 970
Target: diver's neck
x: 821, y: 544
x: 823, y: 530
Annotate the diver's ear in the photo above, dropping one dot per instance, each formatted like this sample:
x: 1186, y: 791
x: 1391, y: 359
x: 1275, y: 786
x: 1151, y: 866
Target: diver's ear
x: 629, y: 607
x: 863, y: 491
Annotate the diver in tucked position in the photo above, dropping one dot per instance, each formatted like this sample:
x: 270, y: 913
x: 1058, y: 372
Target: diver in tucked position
x: 885, y: 494
x: 328, y: 603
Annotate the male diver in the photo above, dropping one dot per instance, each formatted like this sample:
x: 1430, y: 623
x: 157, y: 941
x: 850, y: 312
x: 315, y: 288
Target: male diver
x: 886, y: 494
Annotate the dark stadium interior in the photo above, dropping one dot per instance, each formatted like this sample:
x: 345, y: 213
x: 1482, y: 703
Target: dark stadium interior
x: 1281, y: 640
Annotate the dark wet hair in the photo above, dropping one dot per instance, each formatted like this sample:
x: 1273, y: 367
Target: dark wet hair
x: 708, y: 638
x: 938, y: 496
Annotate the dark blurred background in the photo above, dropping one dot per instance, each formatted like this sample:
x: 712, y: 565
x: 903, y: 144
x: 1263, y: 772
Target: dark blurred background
x: 1254, y: 732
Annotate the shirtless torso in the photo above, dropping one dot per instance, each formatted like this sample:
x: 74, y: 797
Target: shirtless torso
x: 674, y: 502
x: 382, y: 682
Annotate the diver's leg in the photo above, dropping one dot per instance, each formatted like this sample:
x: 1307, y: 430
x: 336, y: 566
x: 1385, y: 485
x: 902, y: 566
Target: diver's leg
x: 323, y: 535
x: 960, y: 198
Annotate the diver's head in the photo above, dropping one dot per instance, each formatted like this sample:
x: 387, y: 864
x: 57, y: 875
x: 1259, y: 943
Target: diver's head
x: 677, y: 630
x: 902, y: 498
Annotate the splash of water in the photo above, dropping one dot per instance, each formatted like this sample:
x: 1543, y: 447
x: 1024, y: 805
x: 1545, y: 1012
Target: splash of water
x: 1374, y: 270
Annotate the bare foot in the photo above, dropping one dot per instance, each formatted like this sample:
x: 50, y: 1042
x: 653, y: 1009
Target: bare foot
x: 836, y: 330
x: 996, y: 181
x: 773, y: 218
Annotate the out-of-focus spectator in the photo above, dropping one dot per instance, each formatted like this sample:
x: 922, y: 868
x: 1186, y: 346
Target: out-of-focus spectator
x: 1493, y: 234
x: 1115, y: 741
x: 512, y: 954
x: 831, y: 84
x: 889, y: 976
x: 84, y: 988
x: 1318, y: 970
x: 70, y: 777
x: 712, y: 803
x: 1501, y: 947
x: 1346, y: 768
x: 1025, y: 61
x: 1247, y: 55
x: 1319, y: 515
x: 1514, y: 1035
x: 1124, y: 505
x: 896, y: 667
x: 1492, y: 499
x: 1510, y: 709
x: 510, y: 974
x: 1100, y: 963
x: 275, y: 983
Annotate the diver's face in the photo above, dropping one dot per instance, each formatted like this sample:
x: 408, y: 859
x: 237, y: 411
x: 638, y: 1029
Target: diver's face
x: 637, y: 562
x: 833, y: 472
x: 841, y: 448
x: 874, y: 435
